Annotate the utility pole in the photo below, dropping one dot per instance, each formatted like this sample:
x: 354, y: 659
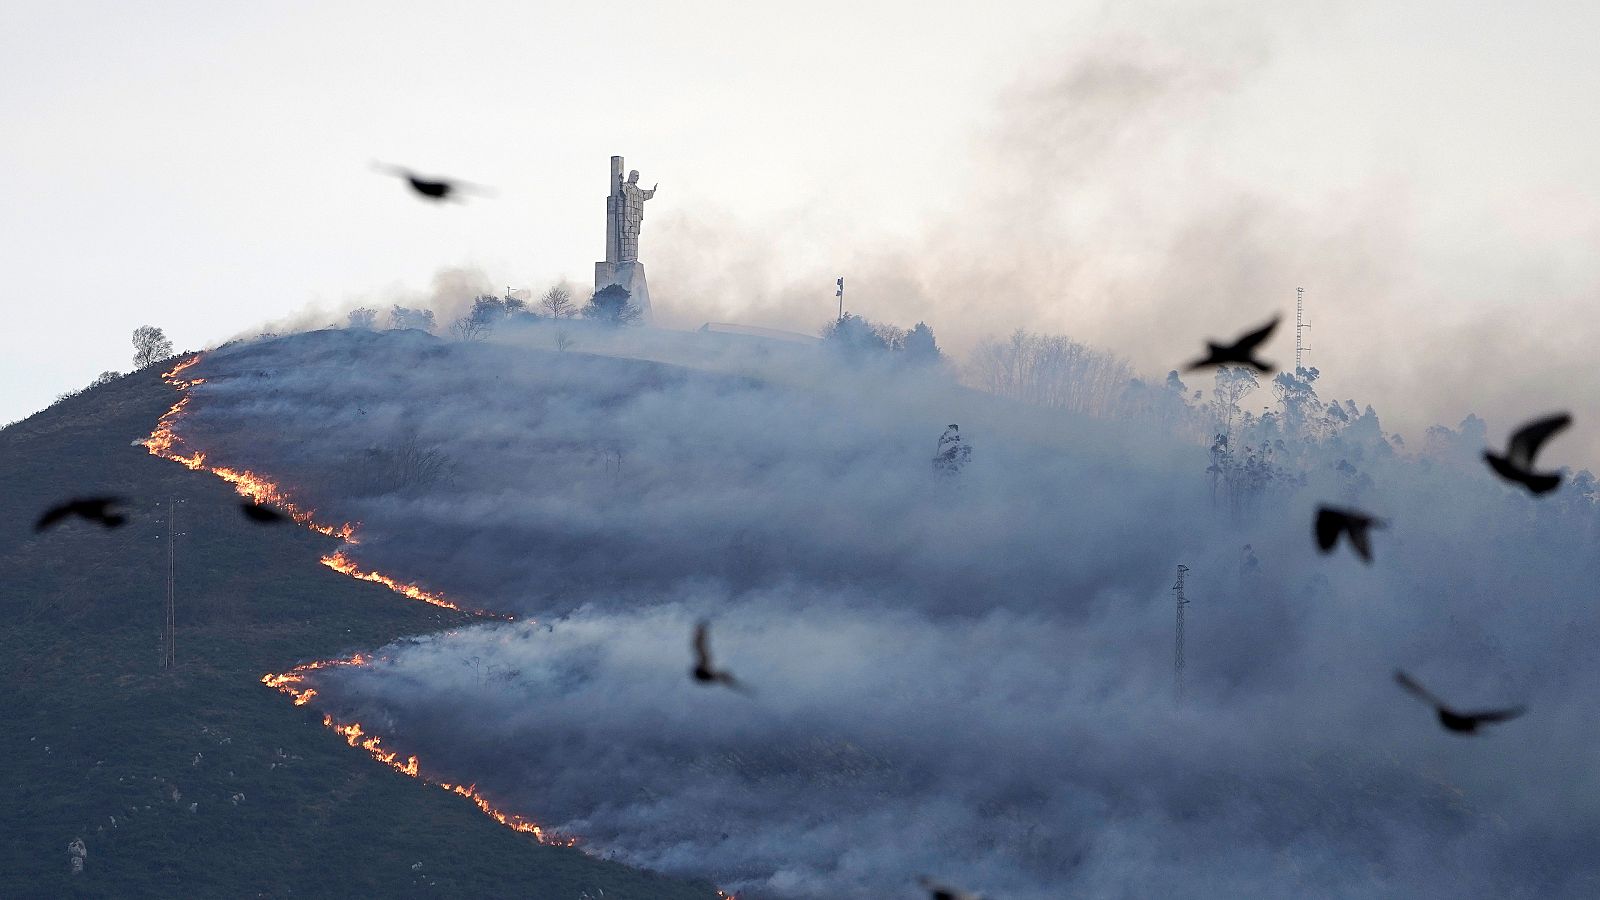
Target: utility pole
x: 1177, y: 650
x: 169, y: 623
x: 1299, y: 326
x: 839, y: 293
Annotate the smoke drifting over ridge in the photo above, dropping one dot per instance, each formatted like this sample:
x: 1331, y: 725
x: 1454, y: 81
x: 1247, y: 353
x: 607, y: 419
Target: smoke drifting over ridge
x: 1150, y: 183
x: 966, y: 676
x: 1157, y: 174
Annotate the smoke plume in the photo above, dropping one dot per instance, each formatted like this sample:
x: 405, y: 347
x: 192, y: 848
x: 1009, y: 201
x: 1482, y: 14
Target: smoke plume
x: 965, y: 675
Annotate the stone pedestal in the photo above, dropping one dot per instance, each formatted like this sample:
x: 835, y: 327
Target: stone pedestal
x: 624, y: 212
x: 631, y: 276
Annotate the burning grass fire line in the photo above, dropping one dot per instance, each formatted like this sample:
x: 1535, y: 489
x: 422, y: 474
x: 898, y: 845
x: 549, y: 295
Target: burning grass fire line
x: 163, y: 442
x: 292, y: 683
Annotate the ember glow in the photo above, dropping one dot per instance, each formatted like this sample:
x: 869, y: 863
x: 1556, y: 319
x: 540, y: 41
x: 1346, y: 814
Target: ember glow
x: 164, y: 442
x: 340, y: 562
x: 171, y: 376
x: 356, y: 735
x: 289, y: 681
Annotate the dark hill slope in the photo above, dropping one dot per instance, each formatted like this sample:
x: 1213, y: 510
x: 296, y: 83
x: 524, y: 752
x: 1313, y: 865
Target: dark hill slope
x: 91, y: 729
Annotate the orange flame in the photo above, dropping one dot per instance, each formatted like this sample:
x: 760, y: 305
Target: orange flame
x: 164, y: 442
x: 343, y: 564
x: 292, y: 683
x: 288, y: 681
x: 172, y: 376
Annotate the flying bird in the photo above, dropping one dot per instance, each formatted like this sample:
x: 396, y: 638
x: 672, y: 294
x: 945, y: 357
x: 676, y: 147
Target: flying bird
x: 1459, y: 722
x: 703, y: 670
x: 1332, y: 521
x: 435, y: 189
x: 261, y: 515
x: 1240, y: 352
x: 937, y: 891
x: 94, y: 509
x: 1517, y: 464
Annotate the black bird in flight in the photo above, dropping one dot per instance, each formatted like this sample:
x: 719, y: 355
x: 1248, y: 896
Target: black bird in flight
x: 937, y: 891
x: 1331, y: 521
x: 1459, y: 722
x: 1517, y: 464
x: 261, y: 515
x: 430, y: 188
x: 1240, y: 352
x: 94, y: 509
x: 703, y: 671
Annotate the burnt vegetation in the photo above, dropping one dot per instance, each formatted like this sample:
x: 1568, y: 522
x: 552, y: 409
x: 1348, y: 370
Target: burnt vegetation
x: 405, y: 468
x: 198, y: 781
x: 1253, y: 461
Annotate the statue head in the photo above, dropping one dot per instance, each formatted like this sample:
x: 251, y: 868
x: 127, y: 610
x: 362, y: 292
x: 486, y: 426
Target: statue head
x: 633, y: 176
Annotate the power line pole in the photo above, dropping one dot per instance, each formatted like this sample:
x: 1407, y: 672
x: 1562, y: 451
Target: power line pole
x: 839, y: 293
x: 1299, y: 325
x: 169, y: 621
x: 1177, y: 650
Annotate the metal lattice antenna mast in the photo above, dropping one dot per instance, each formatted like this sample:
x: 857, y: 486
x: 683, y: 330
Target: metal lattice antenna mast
x: 1177, y: 650
x: 1300, y: 325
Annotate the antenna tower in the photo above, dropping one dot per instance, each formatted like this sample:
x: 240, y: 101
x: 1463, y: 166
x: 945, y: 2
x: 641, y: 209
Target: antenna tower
x: 1177, y: 650
x: 1300, y: 325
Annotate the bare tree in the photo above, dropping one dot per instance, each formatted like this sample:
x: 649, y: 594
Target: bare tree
x: 149, y: 344
x: 557, y: 303
x: 1051, y: 370
x: 893, y: 336
x: 1231, y: 384
x: 563, y: 340
x: 468, y: 328
x: 406, y: 467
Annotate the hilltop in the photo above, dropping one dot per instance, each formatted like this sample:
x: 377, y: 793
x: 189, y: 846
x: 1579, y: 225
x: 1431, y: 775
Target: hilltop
x: 200, y: 781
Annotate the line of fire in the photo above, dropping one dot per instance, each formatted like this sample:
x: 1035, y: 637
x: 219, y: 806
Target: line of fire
x: 165, y: 443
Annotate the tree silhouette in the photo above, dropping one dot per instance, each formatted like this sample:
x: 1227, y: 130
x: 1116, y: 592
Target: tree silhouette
x: 610, y: 306
x: 920, y: 346
x: 557, y: 303
x: 149, y: 344
x: 1230, y: 386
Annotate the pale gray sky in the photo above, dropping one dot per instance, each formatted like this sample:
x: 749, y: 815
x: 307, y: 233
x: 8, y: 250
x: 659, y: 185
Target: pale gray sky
x: 1136, y: 175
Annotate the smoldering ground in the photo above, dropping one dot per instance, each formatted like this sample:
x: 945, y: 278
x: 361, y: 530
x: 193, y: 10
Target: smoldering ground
x: 967, y: 676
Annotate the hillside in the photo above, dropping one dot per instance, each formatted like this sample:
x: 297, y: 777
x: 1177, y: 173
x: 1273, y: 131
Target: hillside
x: 200, y: 781
x: 967, y: 674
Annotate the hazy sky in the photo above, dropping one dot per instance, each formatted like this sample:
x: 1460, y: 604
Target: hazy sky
x: 1136, y: 175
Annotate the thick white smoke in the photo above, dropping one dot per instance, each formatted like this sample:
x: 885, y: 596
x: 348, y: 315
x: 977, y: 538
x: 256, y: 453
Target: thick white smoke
x: 969, y: 676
